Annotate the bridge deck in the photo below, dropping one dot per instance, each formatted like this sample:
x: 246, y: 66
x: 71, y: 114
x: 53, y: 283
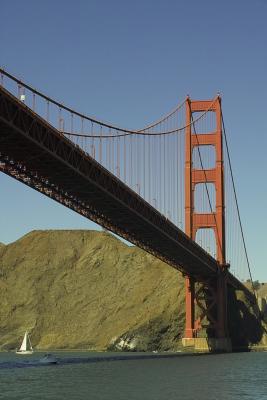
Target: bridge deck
x: 37, y: 154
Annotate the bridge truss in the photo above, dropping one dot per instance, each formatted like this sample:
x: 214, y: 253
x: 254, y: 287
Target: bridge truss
x: 133, y: 183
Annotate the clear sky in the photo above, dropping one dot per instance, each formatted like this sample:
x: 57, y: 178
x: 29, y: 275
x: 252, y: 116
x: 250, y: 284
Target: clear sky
x: 129, y: 62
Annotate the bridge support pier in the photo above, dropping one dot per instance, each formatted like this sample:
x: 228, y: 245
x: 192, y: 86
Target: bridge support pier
x: 208, y: 301
x: 209, y: 331
x: 212, y: 345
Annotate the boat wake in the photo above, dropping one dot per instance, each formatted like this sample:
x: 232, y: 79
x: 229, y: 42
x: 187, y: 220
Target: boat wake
x: 50, y: 360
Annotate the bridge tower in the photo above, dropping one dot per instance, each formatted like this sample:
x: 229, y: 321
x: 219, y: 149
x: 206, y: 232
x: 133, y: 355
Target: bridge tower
x: 209, y: 330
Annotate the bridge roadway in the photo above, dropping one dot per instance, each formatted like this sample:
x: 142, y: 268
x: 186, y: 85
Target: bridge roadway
x: 35, y: 153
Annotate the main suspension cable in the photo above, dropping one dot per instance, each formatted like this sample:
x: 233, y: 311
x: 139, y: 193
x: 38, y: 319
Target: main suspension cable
x: 129, y: 133
x: 237, y: 205
x: 124, y: 131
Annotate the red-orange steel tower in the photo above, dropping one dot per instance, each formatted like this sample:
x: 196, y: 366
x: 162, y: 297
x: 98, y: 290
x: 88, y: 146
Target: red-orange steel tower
x: 214, y: 220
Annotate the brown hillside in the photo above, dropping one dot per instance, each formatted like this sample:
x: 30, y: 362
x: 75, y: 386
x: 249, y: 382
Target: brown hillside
x: 87, y: 289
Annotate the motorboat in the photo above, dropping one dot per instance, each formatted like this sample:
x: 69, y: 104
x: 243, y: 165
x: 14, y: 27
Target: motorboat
x: 48, y: 359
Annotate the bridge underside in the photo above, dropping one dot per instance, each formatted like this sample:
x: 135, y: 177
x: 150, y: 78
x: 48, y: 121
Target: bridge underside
x: 35, y: 153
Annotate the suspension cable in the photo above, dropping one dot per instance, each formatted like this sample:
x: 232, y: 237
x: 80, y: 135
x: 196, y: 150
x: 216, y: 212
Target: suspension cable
x: 94, y: 120
x: 159, y: 121
x: 124, y: 131
x: 141, y: 133
x: 128, y: 133
x: 237, y: 206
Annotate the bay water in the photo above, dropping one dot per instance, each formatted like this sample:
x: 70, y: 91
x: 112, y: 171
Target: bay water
x: 134, y: 376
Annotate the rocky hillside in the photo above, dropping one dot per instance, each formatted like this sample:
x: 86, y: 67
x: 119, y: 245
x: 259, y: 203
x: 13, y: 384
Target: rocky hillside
x: 87, y: 289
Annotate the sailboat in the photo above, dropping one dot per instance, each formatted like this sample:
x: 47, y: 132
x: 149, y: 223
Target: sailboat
x: 26, y: 346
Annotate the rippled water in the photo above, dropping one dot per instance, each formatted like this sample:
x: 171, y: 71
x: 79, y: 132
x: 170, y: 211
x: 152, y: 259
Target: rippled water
x: 125, y: 376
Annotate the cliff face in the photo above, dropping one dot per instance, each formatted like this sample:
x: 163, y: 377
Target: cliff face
x: 87, y: 289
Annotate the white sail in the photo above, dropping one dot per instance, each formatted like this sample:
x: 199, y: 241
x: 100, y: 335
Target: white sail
x: 26, y: 347
x: 23, y: 346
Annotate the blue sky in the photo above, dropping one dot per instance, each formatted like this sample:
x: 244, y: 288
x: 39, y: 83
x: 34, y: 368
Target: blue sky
x: 130, y: 62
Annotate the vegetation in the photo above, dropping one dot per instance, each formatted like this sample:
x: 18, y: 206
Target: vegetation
x: 89, y: 290
x: 86, y: 289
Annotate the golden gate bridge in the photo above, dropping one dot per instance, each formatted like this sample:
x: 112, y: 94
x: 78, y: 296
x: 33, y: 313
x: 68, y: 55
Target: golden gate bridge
x: 166, y: 188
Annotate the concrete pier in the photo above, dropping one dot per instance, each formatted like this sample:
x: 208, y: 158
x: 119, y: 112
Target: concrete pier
x: 212, y: 345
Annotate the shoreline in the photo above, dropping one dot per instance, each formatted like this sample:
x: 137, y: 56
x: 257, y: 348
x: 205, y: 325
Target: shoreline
x: 155, y: 353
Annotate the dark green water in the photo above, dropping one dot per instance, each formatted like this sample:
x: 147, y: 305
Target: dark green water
x: 106, y: 376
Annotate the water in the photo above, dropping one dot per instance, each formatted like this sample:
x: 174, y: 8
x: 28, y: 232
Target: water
x: 125, y: 376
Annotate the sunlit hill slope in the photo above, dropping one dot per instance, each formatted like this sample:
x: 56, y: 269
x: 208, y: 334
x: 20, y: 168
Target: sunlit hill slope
x: 87, y: 289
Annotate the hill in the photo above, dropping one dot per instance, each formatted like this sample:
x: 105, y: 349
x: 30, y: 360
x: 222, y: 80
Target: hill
x: 87, y: 289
